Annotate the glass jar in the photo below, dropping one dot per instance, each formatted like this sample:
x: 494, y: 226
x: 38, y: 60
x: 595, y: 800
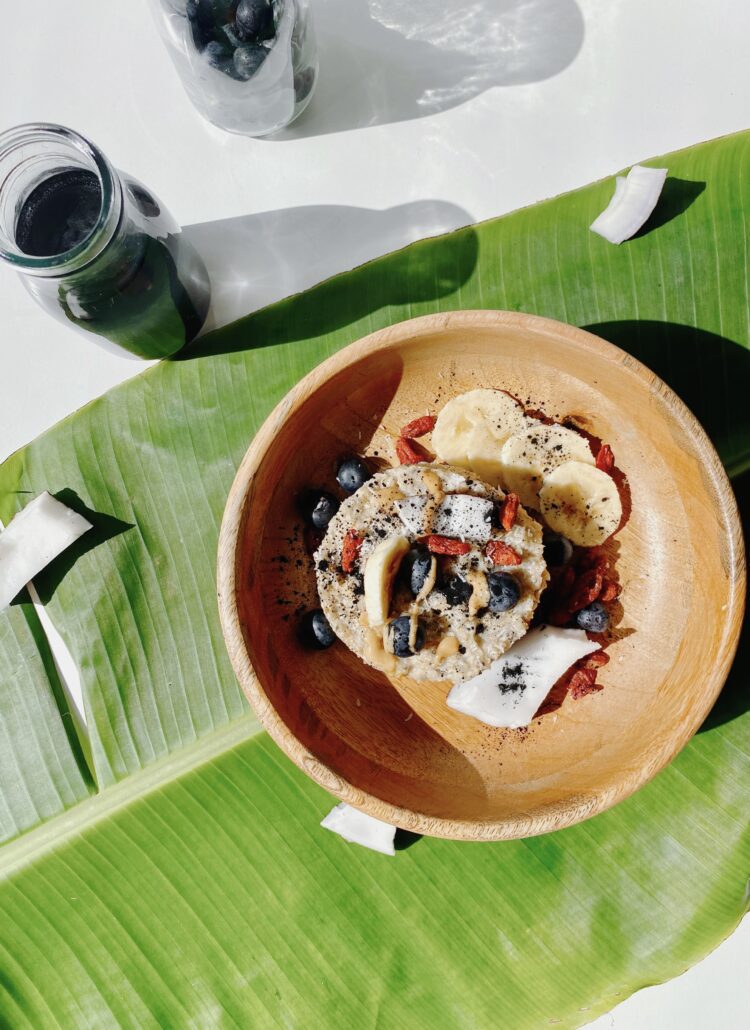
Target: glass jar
x: 248, y: 66
x: 94, y: 247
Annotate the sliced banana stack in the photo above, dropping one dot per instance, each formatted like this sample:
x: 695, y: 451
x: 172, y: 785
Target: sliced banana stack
x: 380, y: 571
x: 472, y: 428
x: 581, y: 502
x: 529, y: 456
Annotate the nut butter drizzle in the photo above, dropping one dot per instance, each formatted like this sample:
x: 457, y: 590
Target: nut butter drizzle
x: 447, y: 647
x: 376, y: 653
x: 436, y: 497
x: 480, y: 594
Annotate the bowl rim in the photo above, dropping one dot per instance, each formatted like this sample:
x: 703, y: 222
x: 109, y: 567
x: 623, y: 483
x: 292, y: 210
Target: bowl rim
x: 556, y: 815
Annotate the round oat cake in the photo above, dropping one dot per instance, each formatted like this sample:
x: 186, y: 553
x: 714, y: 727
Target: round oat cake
x: 461, y: 638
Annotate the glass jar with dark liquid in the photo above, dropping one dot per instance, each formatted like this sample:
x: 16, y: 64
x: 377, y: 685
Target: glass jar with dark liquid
x: 94, y: 247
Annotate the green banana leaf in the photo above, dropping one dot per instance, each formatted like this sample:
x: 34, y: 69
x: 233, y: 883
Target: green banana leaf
x: 42, y: 770
x: 196, y: 888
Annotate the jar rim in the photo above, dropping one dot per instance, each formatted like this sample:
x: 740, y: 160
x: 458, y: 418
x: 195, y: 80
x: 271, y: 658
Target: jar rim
x: 109, y: 211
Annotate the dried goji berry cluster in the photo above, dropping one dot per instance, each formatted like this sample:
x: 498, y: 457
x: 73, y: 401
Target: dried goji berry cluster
x: 408, y: 451
x: 585, y: 579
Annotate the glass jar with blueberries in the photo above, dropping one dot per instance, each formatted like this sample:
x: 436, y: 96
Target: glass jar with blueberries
x: 248, y: 66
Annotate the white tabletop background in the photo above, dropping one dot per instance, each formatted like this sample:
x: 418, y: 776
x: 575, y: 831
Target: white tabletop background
x: 429, y: 114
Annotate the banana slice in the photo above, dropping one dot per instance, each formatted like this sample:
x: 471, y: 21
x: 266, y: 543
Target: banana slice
x: 533, y: 453
x: 581, y: 502
x: 471, y: 429
x: 380, y: 569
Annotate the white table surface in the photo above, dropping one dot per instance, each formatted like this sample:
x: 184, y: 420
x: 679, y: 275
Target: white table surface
x: 429, y: 114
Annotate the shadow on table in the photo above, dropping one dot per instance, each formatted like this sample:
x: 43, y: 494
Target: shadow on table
x: 712, y: 376
x: 390, y: 61
x: 254, y: 260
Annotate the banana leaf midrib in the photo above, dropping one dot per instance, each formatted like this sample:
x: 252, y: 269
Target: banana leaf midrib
x: 56, y: 832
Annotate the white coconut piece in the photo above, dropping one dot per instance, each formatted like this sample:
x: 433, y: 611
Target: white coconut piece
x: 464, y: 516
x: 511, y: 690
x: 411, y: 511
x: 36, y: 535
x: 359, y: 828
x: 631, y: 206
x: 458, y: 515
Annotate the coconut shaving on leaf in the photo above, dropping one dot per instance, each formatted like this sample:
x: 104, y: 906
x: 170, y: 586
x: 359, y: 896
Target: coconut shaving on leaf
x: 634, y: 200
x: 32, y: 539
x: 359, y: 828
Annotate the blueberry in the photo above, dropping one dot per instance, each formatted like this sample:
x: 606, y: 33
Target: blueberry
x: 558, y: 550
x: 219, y: 56
x: 400, y: 630
x: 318, y: 508
x: 200, y: 16
x: 232, y: 37
x: 458, y: 590
x: 504, y: 591
x: 254, y: 19
x: 248, y: 58
x: 594, y: 619
x: 417, y: 565
x: 418, y: 557
x: 315, y: 630
x: 351, y: 474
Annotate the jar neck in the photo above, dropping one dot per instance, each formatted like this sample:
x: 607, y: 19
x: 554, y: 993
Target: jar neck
x: 29, y: 155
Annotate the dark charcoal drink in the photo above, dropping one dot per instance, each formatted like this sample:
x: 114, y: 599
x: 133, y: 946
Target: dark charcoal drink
x: 93, y: 246
x: 146, y: 290
x: 59, y: 213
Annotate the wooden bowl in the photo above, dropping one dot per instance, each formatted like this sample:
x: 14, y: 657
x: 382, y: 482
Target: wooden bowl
x: 391, y: 746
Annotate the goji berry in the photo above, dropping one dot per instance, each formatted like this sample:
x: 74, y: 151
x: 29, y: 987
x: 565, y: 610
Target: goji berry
x: 437, y: 544
x: 595, y: 660
x: 419, y: 426
x: 350, y: 550
x: 583, y: 682
x: 586, y: 589
x: 509, y: 511
x: 605, y: 459
x: 502, y: 554
x: 610, y: 590
x: 409, y: 452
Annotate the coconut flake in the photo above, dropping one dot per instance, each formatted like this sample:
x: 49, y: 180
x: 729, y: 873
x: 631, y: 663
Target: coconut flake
x: 631, y: 206
x: 411, y: 511
x: 33, y: 537
x: 464, y: 516
x: 458, y: 515
x: 359, y: 828
x: 511, y: 690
